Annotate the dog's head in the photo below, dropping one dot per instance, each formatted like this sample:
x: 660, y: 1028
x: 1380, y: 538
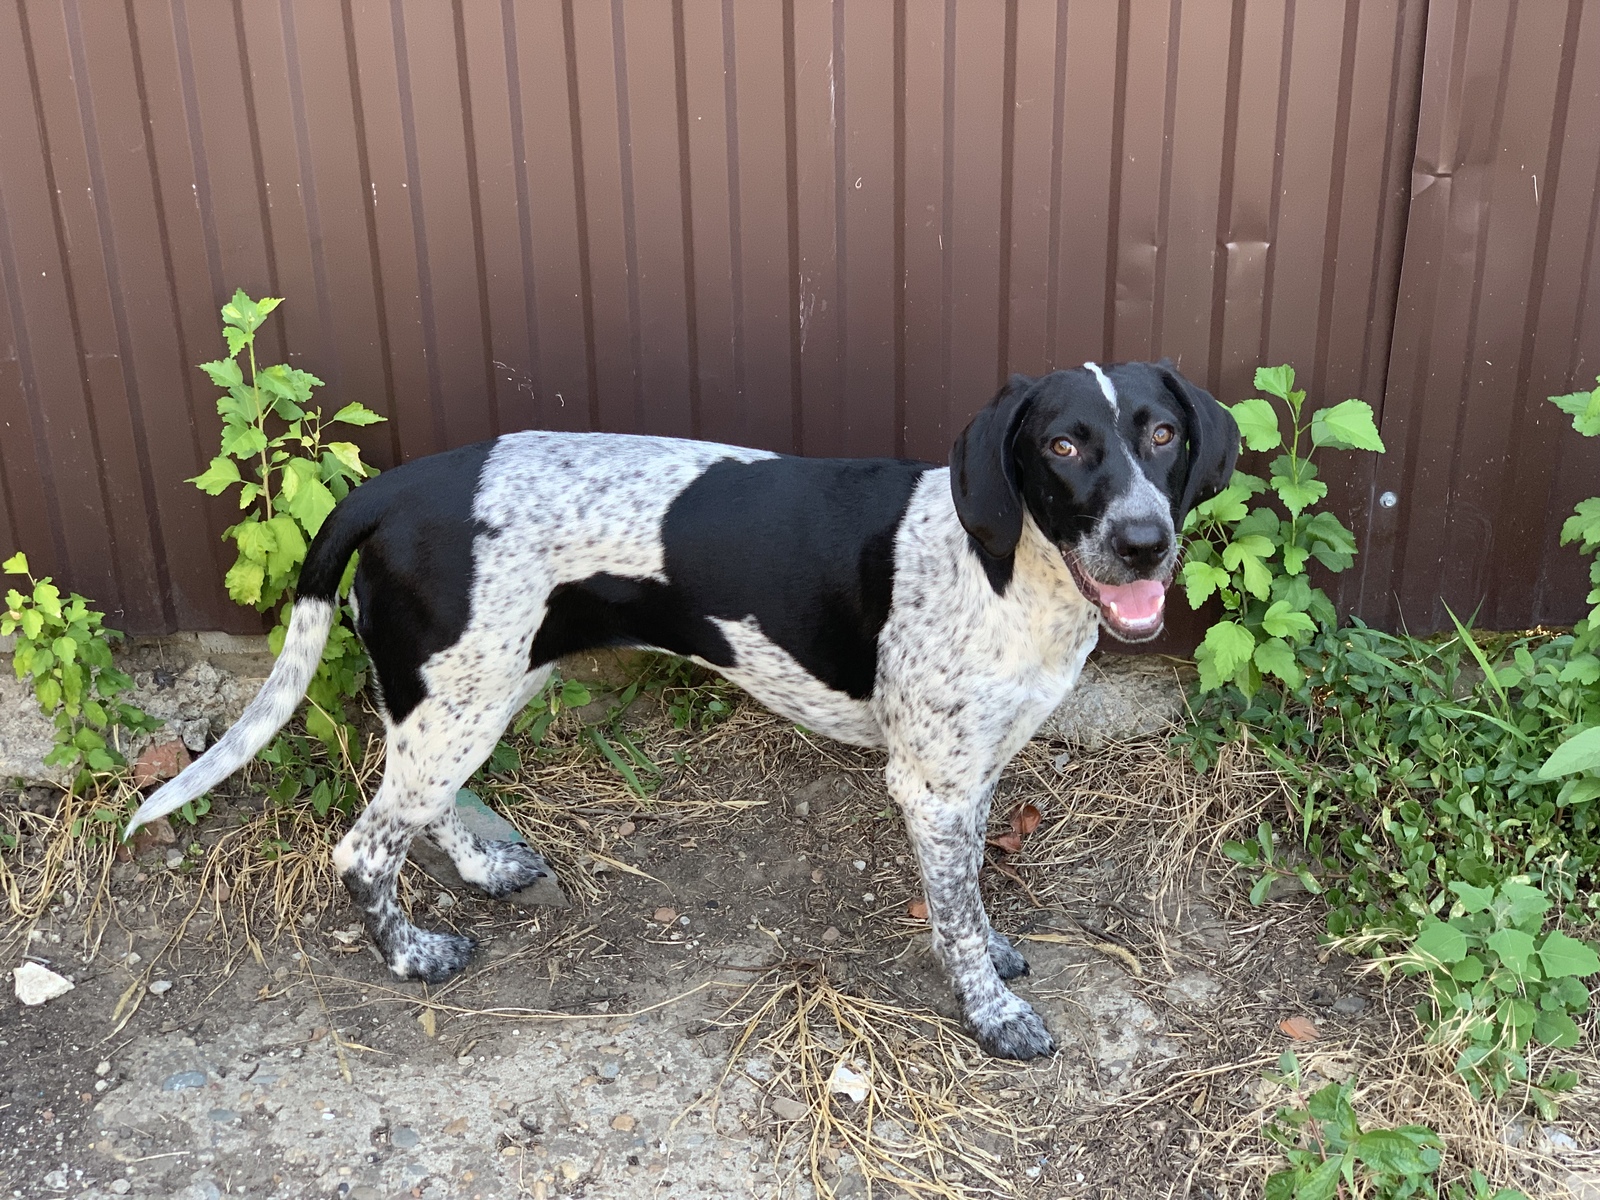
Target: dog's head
x: 1108, y: 462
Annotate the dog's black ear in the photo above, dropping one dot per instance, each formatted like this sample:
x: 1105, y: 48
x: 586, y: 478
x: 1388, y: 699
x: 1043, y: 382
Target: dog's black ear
x: 983, y: 470
x: 1213, y: 440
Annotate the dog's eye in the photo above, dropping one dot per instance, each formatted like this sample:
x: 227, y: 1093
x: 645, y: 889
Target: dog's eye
x: 1063, y: 448
x: 1162, y: 435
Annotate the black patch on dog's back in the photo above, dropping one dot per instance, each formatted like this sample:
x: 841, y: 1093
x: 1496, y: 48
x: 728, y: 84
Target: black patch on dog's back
x: 413, y: 584
x: 803, y: 545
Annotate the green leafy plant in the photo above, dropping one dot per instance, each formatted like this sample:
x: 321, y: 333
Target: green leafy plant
x: 1577, y: 760
x: 1254, y: 555
x: 1497, y: 983
x: 296, y: 474
x: 64, y: 646
x: 1329, y: 1154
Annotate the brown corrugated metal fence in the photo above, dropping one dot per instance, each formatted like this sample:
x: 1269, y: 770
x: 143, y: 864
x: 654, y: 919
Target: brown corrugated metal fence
x: 825, y: 226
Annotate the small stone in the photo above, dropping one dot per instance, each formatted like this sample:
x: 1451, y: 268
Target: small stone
x: 623, y: 1122
x: 869, y: 897
x: 102, y: 1067
x: 569, y: 1170
x: 1350, y: 1006
x: 100, y: 1085
x: 404, y: 1137
x: 194, y: 733
x: 626, y: 829
x: 158, y: 833
x: 174, y: 859
x: 160, y: 987
x: 183, y: 1080
x: 56, y: 1180
x: 456, y: 1127
x: 134, y: 958
x: 786, y: 1109
x: 860, y: 864
x: 119, y: 1187
x: 445, y: 900
x: 665, y: 915
x: 35, y: 984
x: 610, y: 1070
x: 831, y: 934
x: 160, y: 762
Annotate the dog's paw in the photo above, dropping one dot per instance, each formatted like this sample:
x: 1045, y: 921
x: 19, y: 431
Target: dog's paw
x: 1018, y: 1033
x: 1007, y: 962
x: 509, y: 867
x: 430, y: 957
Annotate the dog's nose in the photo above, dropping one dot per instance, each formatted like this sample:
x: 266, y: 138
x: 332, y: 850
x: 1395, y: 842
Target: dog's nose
x: 1140, y: 544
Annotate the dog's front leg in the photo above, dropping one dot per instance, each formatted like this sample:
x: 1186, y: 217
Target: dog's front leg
x: 946, y: 824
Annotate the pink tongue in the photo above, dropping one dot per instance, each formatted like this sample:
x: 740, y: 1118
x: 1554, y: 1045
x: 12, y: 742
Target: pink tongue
x: 1134, y: 602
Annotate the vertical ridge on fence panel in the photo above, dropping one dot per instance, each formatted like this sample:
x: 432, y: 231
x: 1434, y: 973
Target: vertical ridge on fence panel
x: 819, y: 144
x: 770, y: 414
x: 1034, y: 165
x: 36, y: 269
x: 866, y: 216
x: 1547, y: 464
x: 929, y: 51
x: 550, y: 237
x: 666, y: 357
x: 332, y: 161
x: 1469, y: 373
x: 1091, y: 58
x: 418, y: 427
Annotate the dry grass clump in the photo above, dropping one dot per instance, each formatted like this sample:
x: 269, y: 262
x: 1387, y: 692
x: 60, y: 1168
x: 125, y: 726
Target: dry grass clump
x: 923, y: 1116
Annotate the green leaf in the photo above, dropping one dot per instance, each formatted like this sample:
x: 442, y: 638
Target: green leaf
x: 217, y: 477
x: 1468, y: 970
x: 1282, y: 620
x: 1227, y: 647
x: 1440, y: 941
x: 1579, y: 753
x: 1201, y: 579
x: 243, y: 441
x: 1514, y: 948
x: 1556, y: 1030
x: 1411, y: 1151
x: 356, y: 413
x: 48, y: 692
x: 1582, y: 669
x: 349, y: 456
x: 1473, y: 899
x: 1346, y: 426
x: 1299, y: 495
x: 244, y: 580
x: 1561, y: 956
x: 1522, y: 904
x: 224, y: 372
x: 17, y: 564
x: 32, y: 623
x: 304, y: 496
x: 1258, y: 424
x: 289, y: 548
x: 256, y: 540
x: 1275, y: 657
x: 1276, y: 381
x: 1294, y: 559
x: 1583, y: 408
x: 1322, y: 1183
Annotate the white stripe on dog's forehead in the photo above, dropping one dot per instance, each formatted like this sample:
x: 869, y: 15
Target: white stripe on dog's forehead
x: 1109, y: 392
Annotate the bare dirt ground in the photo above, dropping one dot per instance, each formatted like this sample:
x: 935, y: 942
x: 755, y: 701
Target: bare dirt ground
x: 738, y: 1002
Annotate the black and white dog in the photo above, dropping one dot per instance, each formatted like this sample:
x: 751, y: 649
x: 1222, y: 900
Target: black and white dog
x: 938, y: 613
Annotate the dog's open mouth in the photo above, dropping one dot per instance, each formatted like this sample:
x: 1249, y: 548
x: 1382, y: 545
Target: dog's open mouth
x: 1133, y: 612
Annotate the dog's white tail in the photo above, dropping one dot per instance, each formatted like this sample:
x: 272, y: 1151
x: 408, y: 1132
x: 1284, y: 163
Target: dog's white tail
x: 271, y: 709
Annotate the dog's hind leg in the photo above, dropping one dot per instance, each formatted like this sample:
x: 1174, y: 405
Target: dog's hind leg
x: 495, y: 868
x: 431, y: 753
